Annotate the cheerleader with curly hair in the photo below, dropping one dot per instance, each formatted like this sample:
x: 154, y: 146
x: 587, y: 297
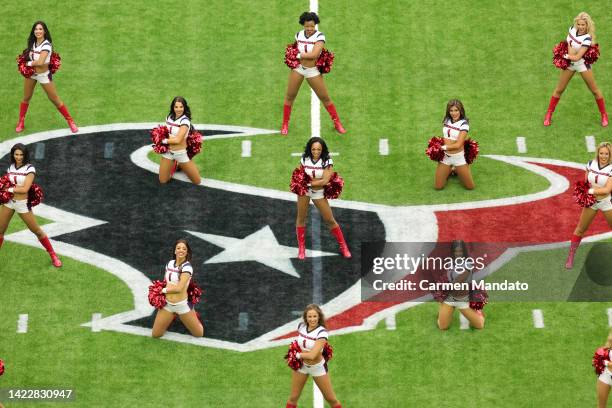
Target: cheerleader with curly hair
x: 580, y: 37
x: 310, y: 43
x: 39, y: 52
x: 177, y: 276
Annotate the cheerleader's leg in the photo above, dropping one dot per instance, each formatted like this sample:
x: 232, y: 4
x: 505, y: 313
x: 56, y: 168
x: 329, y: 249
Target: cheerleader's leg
x: 293, y: 86
x: 165, y: 168
x: 303, y: 204
x: 324, y: 384
x: 318, y: 86
x: 475, y: 318
x: 586, y: 218
x: 5, y: 218
x: 443, y: 171
x: 589, y: 79
x: 465, y: 175
x: 603, y: 391
x: 445, y: 316
x: 297, y: 385
x: 564, y: 79
x: 192, y: 323
x: 191, y: 170
x: 163, y: 318
x: 28, y: 91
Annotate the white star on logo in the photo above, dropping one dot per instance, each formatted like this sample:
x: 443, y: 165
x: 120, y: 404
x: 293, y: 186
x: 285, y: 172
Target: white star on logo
x: 261, y: 246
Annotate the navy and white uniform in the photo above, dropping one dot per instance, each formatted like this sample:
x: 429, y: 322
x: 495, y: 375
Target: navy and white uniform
x: 306, y: 44
x: 459, y: 299
x: 173, y: 275
x: 174, y: 126
x: 315, y: 170
x: 576, y: 42
x: 598, y: 177
x: 306, y: 340
x: 45, y: 77
x: 451, y: 130
x: 606, y: 376
x: 18, y: 177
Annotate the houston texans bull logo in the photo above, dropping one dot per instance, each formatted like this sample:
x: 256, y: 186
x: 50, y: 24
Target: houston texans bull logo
x: 110, y: 211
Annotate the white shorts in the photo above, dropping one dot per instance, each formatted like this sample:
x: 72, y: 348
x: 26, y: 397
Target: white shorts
x: 315, y: 194
x: 307, y: 72
x: 603, y: 205
x: 178, y: 308
x: 179, y: 155
x: 43, y: 78
x: 606, y: 377
x: 315, y: 370
x: 21, y: 206
x: 454, y: 159
x: 458, y: 303
x: 579, y: 66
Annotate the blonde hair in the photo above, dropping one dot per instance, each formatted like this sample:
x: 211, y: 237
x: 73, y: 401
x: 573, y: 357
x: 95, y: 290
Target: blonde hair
x: 608, y: 146
x: 317, y: 309
x: 589, y: 22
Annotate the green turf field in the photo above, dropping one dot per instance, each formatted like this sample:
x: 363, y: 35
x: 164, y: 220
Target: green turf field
x: 397, y: 65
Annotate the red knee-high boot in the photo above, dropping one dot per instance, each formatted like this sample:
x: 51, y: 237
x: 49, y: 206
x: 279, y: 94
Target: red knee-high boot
x: 23, y: 109
x: 64, y: 111
x: 286, y: 117
x: 334, y: 116
x: 551, y: 108
x: 602, y: 109
x: 300, y: 232
x: 47, y: 245
x: 344, y: 250
x: 290, y: 405
x: 574, y: 243
x: 1, y: 241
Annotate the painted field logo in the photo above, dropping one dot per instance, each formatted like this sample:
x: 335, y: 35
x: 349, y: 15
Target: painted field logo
x: 110, y: 211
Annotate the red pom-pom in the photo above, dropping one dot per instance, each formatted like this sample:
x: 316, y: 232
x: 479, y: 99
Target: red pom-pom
x: 194, y: 143
x: 35, y: 195
x: 601, y: 355
x: 558, y: 52
x: 194, y: 293
x: 478, y: 299
x: 156, y: 298
x: 157, y: 135
x: 1, y: 367
x: 55, y: 62
x: 299, y: 181
x: 22, y: 60
x: 325, y: 61
x: 291, y: 53
x: 5, y: 184
x: 332, y: 190
x: 292, y: 361
x: 328, y: 352
x: 581, y: 194
x: 434, y: 149
x: 470, y: 150
x: 591, y: 55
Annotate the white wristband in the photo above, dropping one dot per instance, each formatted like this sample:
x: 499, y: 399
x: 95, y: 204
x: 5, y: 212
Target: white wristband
x: 591, y: 191
x: 299, y: 56
x: 165, y: 141
x: 11, y: 189
x: 165, y: 290
x: 298, y: 356
x: 444, y: 147
x: 29, y: 63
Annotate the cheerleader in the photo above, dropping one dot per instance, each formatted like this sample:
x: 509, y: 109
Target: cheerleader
x: 317, y: 164
x: 455, y: 130
x: 310, y: 43
x: 179, y: 125
x: 22, y: 174
x: 459, y: 299
x: 39, y: 50
x: 312, y: 337
x: 580, y: 37
x: 604, y: 381
x: 178, y: 275
x: 599, y: 175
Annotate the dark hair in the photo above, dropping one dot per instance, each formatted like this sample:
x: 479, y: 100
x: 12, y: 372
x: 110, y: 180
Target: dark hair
x: 308, y: 152
x: 182, y: 241
x: 459, y: 105
x: 186, y: 112
x: 317, y: 309
x: 32, y: 37
x: 459, y: 243
x: 309, y: 16
x: 24, y: 150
